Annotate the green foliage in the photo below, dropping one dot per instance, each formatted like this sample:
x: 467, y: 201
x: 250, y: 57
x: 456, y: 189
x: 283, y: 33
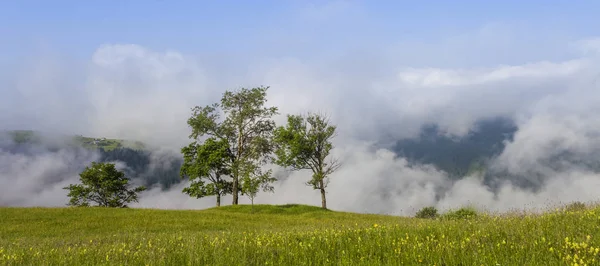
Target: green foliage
x: 575, y: 206
x: 254, y: 180
x: 290, y: 235
x: 103, y: 184
x: 305, y: 144
x: 206, y: 165
x: 462, y: 213
x: 427, y: 213
x: 247, y: 129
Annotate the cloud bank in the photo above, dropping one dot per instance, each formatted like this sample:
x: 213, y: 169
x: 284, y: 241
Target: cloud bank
x: 132, y: 92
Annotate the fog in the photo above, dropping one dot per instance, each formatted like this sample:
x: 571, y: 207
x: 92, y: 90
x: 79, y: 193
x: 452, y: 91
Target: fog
x: 374, y: 96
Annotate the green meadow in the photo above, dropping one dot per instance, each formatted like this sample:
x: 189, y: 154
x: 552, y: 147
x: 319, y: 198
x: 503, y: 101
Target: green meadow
x: 293, y: 235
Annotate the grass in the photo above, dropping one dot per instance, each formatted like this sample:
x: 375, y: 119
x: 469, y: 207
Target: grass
x: 292, y: 235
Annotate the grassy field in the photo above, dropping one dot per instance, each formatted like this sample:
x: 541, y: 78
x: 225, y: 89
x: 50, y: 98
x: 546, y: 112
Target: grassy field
x: 291, y: 235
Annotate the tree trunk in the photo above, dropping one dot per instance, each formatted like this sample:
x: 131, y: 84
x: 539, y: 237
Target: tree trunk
x: 218, y: 200
x: 323, y: 200
x: 235, y: 191
x: 238, y: 157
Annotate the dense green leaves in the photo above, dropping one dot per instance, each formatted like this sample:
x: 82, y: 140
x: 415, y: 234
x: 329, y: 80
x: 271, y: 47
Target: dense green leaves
x: 207, y: 166
x: 305, y: 143
x: 244, y: 137
x: 103, y: 184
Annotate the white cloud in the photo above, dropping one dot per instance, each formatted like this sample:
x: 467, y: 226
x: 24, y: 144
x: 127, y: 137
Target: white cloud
x: 37, y: 177
x: 132, y: 92
x: 144, y: 95
x: 589, y: 46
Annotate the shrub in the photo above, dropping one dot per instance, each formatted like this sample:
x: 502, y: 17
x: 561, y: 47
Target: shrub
x: 427, y: 213
x: 575, y: 206
x: 462, y: 213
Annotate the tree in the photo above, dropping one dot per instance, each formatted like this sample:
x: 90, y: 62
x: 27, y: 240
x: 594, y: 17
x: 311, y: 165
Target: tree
x: 253, y: 181
x: 304, y: 144
x: 247, y: 129
x: 207, y: 162
x: 103, y: 184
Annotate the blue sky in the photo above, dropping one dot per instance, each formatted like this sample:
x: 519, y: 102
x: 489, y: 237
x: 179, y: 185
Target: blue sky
x: 132, y: 69
x: 102, y: 56
x: 265, y: 27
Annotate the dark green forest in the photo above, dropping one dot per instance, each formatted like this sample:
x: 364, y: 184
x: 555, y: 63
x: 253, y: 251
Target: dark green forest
x: 462, y: 156
x: 140, y: 165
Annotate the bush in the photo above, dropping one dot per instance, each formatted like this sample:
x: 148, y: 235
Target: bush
x: 575, y: 206
x: 462, y: 213
x: 427, y: 213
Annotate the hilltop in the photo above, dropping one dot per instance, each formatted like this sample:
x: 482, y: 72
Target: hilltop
x: 98, y: 222
x: 92, y: 143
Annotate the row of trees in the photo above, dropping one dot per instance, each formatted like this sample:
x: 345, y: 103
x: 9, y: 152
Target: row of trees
x: 231, y: 143
x: 233, y: 140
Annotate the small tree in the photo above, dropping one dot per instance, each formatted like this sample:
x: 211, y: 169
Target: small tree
x: 247, y: 128
x: 305, y: 143
x: 207, y: 162
x: 254, y: 180
x: 103, y: 184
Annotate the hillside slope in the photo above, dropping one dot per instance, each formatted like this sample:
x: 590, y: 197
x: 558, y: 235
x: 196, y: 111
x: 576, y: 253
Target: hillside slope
x: 290, y: 235
x: 34, y: 137
x: 458, y: 157
x: 148, y: 166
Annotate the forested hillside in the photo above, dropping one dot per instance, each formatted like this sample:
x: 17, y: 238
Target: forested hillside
x: 141, y: 164
x: 458, y: 157
x: 150, y: 167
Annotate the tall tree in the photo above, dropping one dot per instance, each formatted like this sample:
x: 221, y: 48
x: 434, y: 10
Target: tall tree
x: 247, y: 129
x: 206, y: 166
x: 103, y: 184
x: 304, y: 143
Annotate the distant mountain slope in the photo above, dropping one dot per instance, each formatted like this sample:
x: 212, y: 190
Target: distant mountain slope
x: 458, y: 157
x: 34, y: 137
x: 152, y: 167
x: 108, y: 144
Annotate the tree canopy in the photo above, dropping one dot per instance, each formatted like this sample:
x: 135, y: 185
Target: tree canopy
x: 103, y: 184
x: 246, y: 133
x: 206, y: 165
x: 231, y: 142
x: 305, y: 144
